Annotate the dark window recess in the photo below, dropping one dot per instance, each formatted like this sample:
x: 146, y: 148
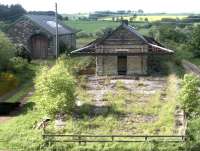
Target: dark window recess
x: 122, y: 65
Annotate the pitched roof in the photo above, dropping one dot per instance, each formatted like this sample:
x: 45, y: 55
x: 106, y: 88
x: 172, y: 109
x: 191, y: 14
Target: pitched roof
x: 154, y: 46
x: 48, y: 23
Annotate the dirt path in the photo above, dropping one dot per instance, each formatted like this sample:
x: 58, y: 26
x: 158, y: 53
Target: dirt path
x: 23, y: 101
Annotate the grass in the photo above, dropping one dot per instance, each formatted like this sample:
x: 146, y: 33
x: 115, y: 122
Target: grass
x: 19, y: 133
x: 125, y: 114
x: 150, y: 18
x: 166, y: 121
x: 81, y: 42
x: 91, y: 26
x: 22, y: 92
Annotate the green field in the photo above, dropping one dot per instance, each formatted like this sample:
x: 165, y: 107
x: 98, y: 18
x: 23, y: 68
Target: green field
x: 150, y: 18
x: 91, y: 26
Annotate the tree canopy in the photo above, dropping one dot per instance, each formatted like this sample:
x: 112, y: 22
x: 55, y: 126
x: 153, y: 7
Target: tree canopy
x: 194, y: 45
x: 11, y: 12
x: 7, y: 51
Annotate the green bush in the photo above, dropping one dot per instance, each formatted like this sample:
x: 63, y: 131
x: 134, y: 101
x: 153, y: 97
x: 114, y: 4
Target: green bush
x: 7, y: 50
x: 18, y: 64
x: 8, y: 82
x: 194, y: 44
x: 22, y: 52
x: 189, y: 95
x: 54, y: 89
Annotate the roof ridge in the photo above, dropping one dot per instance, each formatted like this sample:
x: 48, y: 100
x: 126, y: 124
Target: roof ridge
x: 42, y: 22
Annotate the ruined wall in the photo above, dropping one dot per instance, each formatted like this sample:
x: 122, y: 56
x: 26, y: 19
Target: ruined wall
x: 106, y: 65
x: 136, y: 65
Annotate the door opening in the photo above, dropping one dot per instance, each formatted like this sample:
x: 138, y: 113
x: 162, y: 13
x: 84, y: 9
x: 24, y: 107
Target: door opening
x: 122, y: 65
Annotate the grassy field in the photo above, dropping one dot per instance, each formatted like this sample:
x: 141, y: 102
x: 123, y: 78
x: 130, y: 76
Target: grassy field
x: 91, y: 26
x: 150, y: 18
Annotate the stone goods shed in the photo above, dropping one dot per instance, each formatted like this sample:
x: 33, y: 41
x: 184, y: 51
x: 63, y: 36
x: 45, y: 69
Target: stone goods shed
x: 37, y: 34
x: 123, y: 51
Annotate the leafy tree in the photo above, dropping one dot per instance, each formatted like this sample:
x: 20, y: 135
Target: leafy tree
x: 189, y: 95
x: 194, y: 45
x: 170, y: 33
x: 12, y: 12
x: 55, y: 90
x: 7, y: 50
x: 140, y: 11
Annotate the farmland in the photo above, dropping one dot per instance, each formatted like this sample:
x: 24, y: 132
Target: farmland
x: 150, y: 18
x: 91, y: 26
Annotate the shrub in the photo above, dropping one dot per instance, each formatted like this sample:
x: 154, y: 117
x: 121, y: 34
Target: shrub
x: 6, y: 51
x: 189, y: 95
x: 7, y: 83
x: 21, y: 51
x: 18, y: 64
x: 54, y: 89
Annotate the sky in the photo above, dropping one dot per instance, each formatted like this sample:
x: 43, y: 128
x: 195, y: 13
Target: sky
x: 85, y: 6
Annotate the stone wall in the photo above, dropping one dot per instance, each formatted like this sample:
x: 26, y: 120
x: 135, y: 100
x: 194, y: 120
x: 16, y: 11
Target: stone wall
x: 107, y: 65
x: 136, y: 65
x: 69, y: 40
x: 22, y: 31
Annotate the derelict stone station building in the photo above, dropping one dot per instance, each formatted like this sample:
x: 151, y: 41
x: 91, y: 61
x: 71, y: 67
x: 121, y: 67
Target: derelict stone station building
x: 37, y: 34
x: 123, y: 52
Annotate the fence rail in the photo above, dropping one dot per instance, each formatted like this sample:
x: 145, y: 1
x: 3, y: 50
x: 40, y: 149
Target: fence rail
x: 113, y: 138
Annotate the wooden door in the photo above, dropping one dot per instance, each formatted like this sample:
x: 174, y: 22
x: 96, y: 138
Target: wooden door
x: 39, y: 47
x: 122, y: 65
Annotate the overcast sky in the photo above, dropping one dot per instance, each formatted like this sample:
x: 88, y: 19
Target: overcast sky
x: 75, y: 6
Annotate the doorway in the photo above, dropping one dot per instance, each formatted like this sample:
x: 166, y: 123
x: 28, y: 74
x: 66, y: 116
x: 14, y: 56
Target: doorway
x: 122, y: 65
x: 39, y: 44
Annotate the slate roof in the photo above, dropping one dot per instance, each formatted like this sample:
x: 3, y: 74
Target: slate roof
x: 48, y: 23
x: 154, y: 46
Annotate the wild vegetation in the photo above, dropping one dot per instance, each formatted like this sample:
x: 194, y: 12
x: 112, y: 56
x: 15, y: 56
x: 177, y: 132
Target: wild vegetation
x: 19, y: 132
x: 54, y: 90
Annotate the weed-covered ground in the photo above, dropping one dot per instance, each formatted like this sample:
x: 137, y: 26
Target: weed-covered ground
x: 123, y: 106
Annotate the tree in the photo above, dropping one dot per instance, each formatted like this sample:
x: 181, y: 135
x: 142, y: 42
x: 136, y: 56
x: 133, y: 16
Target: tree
x: 54, y: 89
x: 146, y: 19
x: 140, y: 11
x: 189, y: 95
x: 12, y: 12
x: 113, y: 19
x: 194, y: 44
x: 7, y: 51
x: 170, y: 33
x: 66, y: 18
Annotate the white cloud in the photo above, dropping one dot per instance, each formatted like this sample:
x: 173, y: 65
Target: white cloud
x: 74, y: 6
